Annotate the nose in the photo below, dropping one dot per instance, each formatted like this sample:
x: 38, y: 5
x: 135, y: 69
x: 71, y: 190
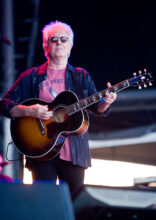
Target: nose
x: 59, y: 41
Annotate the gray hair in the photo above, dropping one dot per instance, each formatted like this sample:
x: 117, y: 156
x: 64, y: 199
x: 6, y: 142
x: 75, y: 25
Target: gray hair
x: 53, y: 26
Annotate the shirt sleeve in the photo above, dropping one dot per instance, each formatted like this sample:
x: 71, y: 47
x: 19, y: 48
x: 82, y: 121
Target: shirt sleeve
x: 15, y: 95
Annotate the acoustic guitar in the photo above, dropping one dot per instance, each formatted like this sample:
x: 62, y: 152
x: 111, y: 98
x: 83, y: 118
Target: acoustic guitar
x: 43, y: 139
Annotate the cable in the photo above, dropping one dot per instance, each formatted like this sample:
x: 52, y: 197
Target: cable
x: 7, y: 152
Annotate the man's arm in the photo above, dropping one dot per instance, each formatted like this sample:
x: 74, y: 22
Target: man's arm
x: 37, y: 111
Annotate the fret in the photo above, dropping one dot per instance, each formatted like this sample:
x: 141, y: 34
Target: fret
x: 94, y: 98
x: 90, y: 101
x: 78, y: 105
x: 85, y: 102
x: 82, y: 103
x: 69, y: 110
x: 74, y: 107
x: 125, y: 83
x: 118, y: 87
x: 115, y: 89
x: 100, y: 95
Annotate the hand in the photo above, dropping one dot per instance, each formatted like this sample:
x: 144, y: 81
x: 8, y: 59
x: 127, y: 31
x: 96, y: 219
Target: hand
x: 39, y: 111
x: 108, y: 100
x: 110, y: 97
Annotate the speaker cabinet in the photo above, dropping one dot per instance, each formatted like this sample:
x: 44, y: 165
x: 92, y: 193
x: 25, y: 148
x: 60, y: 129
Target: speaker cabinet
x: 98, y: 203
x: 42, y: 201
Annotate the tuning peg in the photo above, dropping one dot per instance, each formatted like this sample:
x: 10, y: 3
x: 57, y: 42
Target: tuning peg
x: 134, y: 74
x: 145, y: 86
x: 139, y: 87
x: 150, y: 84
x: 139, y: 72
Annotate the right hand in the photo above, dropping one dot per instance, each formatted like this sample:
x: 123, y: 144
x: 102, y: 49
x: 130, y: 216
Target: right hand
x: 39, y: 111
x: 36, y: 111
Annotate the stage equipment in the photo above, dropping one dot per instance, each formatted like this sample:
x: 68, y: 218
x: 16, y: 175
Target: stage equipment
x: 98, y: 202
x: 41, y: 201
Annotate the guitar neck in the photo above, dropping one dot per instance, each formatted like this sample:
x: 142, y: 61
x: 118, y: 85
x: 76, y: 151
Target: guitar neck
x: 86, y: 102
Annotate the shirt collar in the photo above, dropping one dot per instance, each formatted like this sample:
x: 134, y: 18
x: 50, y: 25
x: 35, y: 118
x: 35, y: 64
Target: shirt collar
x: 43, y: 68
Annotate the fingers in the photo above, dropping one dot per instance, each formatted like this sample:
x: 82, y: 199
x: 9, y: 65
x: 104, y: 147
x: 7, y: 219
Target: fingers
x: 109, y: 84
x: 45, y: 115
x: 44, y: 112
x: 40, y: 111
x: 110, y: 97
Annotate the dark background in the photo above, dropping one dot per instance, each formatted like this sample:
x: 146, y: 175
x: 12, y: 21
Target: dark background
x: 112, y: 38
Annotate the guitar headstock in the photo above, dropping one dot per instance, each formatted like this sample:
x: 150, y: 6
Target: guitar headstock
x: 141, y: 79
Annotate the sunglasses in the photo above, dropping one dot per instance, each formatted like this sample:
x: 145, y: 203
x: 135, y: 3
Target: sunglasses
x: 63, y: 39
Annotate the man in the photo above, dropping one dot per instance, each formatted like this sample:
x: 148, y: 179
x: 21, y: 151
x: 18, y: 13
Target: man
x: 45, y: 82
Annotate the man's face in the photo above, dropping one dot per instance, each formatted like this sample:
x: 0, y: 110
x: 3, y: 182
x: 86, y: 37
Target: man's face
x: 59, y: 45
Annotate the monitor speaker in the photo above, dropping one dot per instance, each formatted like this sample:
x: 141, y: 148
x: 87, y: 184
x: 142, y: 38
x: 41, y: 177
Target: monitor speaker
x: 42, y: 201
x: 98, y: 203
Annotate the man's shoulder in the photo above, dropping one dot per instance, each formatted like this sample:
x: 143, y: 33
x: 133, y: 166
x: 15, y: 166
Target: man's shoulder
x: 30, y: 70
x: 39, y: 70
x: 78, y: 70
x: 81, y: 70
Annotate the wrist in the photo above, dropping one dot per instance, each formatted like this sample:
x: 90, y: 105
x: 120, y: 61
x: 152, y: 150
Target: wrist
x: 19, y: 111
x: 103, y: 106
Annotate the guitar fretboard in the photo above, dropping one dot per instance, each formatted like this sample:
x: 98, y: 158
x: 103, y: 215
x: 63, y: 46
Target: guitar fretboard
x: 86, y: 102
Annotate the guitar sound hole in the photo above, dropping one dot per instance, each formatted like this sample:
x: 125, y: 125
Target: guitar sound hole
x: 60, y: 115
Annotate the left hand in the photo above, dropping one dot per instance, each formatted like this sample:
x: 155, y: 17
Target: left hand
x: 108, y: 100
x: 110, y: 97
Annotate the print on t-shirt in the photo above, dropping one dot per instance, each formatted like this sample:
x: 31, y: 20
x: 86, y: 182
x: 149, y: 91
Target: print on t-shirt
x: 51, y: 87
x: 53, y: 92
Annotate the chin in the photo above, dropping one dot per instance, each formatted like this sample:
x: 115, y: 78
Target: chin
x: 60, y: 54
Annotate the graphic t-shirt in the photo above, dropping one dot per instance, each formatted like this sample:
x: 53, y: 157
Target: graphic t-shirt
x: 49, y: 89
